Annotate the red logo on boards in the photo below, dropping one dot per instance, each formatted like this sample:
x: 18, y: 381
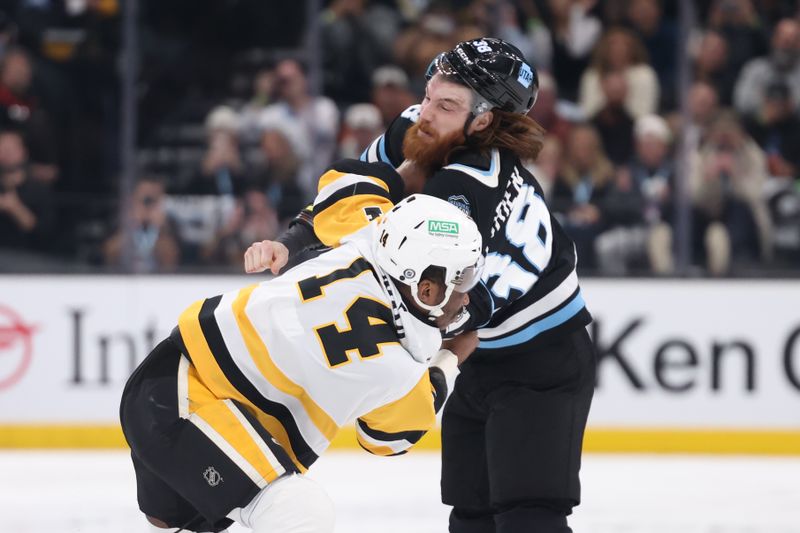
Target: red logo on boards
x: 16, y: 347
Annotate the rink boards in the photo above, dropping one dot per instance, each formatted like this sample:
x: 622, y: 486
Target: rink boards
x: 689, y: 366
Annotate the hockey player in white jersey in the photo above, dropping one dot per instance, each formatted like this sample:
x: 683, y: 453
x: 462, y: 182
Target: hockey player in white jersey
x: 226, y: 415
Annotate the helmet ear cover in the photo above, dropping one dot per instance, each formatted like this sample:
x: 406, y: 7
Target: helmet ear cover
x: 431, y: 233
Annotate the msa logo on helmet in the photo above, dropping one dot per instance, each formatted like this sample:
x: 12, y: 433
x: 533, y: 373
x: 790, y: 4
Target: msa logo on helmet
x: 525, y: 77
x: 442, y: 227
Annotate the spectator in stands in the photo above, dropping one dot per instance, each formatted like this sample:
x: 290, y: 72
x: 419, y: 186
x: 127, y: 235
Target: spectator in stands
x: 315, y: 117
x: 711, y: 65
x: 731, y: 219
x: 254, y: 220
x: 776, y: 128
x: 620, y: 50
x: 547, y: 112
x: 577, y: 198
x: 547, y: 167
x: 20, y: 109
x: 263, y: 90
x: 391, y: 93
x: 26, y: 205
x: 653, y: 173
x: 152, y: 241
x: 221, y: 172
x: 362, y: 125
x: 356, y: 39
x: 613, y: 121
x: 569, y: 31
x: 436, y: 30
x: 278, y: 175
x: 660, y: 37
x: 738, y: 23
x: 703, y: 103
x: 781, y: 65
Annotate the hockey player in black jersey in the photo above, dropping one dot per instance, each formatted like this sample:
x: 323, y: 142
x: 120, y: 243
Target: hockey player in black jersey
x: 512, y: 431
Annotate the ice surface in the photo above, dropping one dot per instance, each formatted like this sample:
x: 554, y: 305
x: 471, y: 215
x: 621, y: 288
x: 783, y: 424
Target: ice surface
x: 94, y: 492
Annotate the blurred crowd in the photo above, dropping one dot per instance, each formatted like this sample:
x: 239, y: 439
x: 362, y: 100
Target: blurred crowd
x: 638, y: 108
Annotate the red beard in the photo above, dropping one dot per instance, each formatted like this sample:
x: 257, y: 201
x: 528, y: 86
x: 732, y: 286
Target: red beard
x: 430, y: 153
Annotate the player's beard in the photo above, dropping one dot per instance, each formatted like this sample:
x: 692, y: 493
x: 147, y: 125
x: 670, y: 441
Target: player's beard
x: 430, y: 153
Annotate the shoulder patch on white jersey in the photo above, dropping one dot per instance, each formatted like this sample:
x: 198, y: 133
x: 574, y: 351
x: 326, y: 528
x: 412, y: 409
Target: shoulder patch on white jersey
x: 489, y: 178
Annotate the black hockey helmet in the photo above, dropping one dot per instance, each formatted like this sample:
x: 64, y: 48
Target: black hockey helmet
x: 494, y: 69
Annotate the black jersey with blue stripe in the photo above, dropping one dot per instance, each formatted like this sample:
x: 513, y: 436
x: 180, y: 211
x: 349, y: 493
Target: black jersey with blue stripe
x: 529, y: 290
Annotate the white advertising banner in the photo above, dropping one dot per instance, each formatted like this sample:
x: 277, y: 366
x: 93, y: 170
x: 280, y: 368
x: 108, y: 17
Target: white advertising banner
x: 680, y: 354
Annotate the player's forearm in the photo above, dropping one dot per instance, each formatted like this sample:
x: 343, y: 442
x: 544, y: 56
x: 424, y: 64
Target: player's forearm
x: 300, y: 234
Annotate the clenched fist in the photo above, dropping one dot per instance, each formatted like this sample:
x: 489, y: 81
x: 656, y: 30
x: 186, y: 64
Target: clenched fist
x: 265, y: 254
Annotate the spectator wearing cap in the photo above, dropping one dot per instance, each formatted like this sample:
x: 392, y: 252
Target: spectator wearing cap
x: 362, y: 125
x: 390, y: 92
x: 781, y: 65
x: 776, y: 128
x: 653, y: 171
x: 638, y: 207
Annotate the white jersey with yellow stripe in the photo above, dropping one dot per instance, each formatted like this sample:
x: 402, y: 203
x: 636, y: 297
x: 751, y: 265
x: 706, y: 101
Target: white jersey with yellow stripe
x: 328, y: 342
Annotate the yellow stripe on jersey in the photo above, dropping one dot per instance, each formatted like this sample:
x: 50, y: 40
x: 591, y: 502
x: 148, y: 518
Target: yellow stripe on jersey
x: 202, y: 357
x: 338, y: 216
x: 413, y: 412
x: 215, y: 381
x: 219, y: 416
x: 260, y: 355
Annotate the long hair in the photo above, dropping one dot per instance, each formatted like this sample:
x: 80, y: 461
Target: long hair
x: 601, y: 58
x: 517, y: 133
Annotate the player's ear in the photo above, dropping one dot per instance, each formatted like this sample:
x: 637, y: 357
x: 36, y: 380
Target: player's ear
x: 429, y: 292
x: 481, y: 122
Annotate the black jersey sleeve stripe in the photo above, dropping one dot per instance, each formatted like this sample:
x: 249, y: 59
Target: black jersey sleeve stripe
x: 410, y: 436
x: 383, y: 171
x: 361, y: 188
x: 213, y: 337
x: 272, y: 444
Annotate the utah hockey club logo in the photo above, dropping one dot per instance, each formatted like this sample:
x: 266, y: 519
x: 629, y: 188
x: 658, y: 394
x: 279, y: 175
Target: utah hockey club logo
x: 212, y: 476
x: 16, y: 347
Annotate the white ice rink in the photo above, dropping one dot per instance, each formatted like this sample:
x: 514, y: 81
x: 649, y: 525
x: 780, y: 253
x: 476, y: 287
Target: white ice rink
x: 93, y: 492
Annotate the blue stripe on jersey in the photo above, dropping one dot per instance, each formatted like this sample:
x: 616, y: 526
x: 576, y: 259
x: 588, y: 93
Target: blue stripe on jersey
x: 535, y: 328
x: 365, y: 154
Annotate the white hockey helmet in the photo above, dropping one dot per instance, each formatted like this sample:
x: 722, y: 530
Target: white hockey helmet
x: 423, y: 231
